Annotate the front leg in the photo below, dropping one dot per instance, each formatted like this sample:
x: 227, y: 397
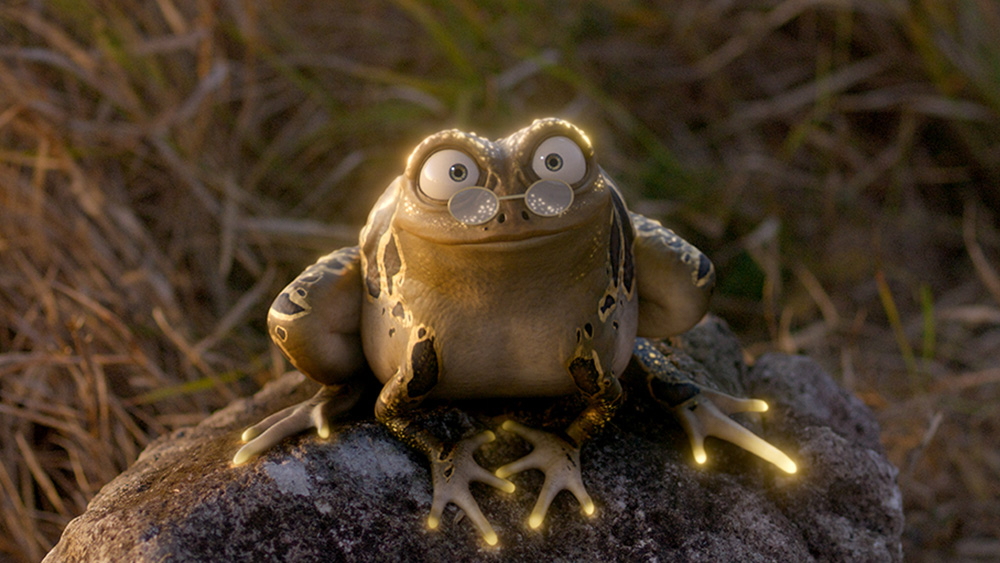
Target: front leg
x: 559, y: 456
x: 675, y: 280
x: 315, y: 322
x: 452, y: 466
x: 702, y: 411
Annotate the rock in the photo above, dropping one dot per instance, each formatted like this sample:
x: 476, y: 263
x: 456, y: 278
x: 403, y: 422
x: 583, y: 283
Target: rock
x: 362, y: 495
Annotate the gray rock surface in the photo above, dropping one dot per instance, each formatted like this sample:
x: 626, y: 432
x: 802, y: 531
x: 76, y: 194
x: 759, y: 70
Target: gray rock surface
x: 361, y: 495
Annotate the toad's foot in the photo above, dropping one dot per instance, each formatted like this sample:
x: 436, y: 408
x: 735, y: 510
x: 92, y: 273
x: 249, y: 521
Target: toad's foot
x: 558, y: 459
x: 706, y: 414
x: 330, y: 402
x: 452, y: 471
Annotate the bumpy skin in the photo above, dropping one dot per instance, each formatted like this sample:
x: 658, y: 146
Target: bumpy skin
x: 520, y: 305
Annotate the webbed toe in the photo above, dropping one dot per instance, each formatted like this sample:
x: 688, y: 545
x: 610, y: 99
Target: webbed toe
x: 451, y: 472
x: 706, y: 414
x: 329, y: 403
x: 558, y: 459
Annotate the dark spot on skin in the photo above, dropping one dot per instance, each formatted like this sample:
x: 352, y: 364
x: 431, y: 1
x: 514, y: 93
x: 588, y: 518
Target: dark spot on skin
x: 525, y: 216
x: 391, y: 260
x: 669, y: 393
x: 624, y: 217
x: 578, y: 335
x: 585, y: 375
x: 628, y: 269
x: 422, y: 332
x: 704, y: 266
x: 628, y: 261
x: 281, y: 333
x: 614, y: 325
x: 391, y: 332
x: 609, y: 302
x: 615, y: 248
x: 285, y: 306
x: 371, y: 272
x: 449, y: 471
x: 398, y: 311
x: 501, y: 218
x: 301, y: 292
x: 371, y: 281
x: 424, y: 366
x: 589, y: 329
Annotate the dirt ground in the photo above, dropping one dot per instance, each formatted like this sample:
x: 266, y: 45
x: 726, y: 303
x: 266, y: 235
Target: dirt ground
x: 166, y: 167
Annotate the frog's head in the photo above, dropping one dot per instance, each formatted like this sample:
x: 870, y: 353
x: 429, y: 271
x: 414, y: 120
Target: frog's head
x: 460, y: 188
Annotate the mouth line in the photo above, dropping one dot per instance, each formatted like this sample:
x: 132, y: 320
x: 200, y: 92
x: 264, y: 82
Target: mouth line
x: 503, y: 240
x: 511, y: 240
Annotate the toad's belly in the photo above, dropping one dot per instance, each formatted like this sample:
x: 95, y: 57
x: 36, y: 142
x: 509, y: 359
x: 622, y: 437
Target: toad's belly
x: 517, y: 357
x: 522, y: 350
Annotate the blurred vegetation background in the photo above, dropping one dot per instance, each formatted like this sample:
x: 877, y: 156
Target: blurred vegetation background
x: 167, y: 166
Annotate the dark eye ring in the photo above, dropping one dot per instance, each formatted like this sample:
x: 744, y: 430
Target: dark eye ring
x: 553, y: 162
x: 458, y: 172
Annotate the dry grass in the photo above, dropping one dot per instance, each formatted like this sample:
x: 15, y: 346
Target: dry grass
x: 165, y: 166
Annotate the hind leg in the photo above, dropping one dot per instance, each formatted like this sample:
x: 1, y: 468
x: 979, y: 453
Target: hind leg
x: 703, y: 411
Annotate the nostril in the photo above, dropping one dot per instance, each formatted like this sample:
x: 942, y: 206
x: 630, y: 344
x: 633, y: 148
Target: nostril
x: 525, y: 216
x: 501, y: 218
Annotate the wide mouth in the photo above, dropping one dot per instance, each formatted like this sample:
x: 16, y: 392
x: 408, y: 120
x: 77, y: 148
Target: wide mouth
x: 499, y: 238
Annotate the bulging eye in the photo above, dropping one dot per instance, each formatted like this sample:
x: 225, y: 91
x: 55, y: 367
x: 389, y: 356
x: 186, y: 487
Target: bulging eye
x: 559, y: 158
x: 446, y: 172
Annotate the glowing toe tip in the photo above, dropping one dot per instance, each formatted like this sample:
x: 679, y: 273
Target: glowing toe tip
x: 762, y: 406
x: 241, y: 457
x: 790, y: 467
x: 490, y: 538
x: 247, y: 435
x: 323, y: 433
x: 508, y: 487
x: 490, y: 436
x: 535, y: 521
x: 507, y: 424
x: 588, y: 509
x: 700, y: 457
x: 432, y: 522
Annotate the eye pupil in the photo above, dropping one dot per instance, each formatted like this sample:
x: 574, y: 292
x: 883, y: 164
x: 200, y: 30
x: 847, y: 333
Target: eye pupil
x: 553, y: 162
x: 458, y: 172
